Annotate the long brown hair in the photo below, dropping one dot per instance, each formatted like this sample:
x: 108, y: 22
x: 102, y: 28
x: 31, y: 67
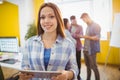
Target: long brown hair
x: 60, y: 26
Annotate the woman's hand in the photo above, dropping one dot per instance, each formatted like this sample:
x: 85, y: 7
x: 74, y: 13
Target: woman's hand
x: 25, y: 76
x: 64, y: 76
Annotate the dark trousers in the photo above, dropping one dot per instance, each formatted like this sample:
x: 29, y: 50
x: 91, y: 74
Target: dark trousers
x: 78, y: 59
x: 90, y: 61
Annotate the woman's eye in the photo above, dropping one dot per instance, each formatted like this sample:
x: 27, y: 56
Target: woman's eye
x: 52, y: 16
x: 42, y: 17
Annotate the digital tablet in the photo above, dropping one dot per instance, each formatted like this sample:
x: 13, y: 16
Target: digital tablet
x: 9, y: 61
x: 41, y: 74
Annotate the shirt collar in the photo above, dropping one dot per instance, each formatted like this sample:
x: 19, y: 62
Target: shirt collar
x: 59, y: 39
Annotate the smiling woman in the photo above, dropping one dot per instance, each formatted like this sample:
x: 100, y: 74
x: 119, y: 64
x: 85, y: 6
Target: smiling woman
x: 43, y: 49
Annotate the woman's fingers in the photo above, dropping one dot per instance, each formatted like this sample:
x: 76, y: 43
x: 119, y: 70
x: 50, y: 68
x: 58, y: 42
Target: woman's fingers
x: 25, y: 76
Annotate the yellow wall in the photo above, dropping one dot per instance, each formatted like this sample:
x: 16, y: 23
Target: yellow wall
x: 37, y: 4
x: 9, y: 22
x: 116, y: 6
x: 114, y: 52
x: 113, y: 57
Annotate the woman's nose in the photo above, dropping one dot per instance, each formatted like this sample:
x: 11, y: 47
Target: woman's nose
x: 47, y: 19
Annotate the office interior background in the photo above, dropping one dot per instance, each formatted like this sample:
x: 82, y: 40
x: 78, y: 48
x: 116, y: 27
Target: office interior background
x: 16, y: 15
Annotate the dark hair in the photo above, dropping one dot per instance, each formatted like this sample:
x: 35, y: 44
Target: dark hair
x: 65, y: 20
x: 72, y: 17
x: 60, y: 26
x: 84, y: 15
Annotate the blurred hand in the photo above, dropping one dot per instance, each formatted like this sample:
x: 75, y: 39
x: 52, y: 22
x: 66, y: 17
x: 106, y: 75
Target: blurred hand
x: 25, y: 76
x: 63, y: 76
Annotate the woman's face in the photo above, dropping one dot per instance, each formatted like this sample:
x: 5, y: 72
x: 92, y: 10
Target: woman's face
x: 48, y: 19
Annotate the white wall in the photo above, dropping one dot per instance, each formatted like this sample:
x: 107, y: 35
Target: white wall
x: 26, y: 16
